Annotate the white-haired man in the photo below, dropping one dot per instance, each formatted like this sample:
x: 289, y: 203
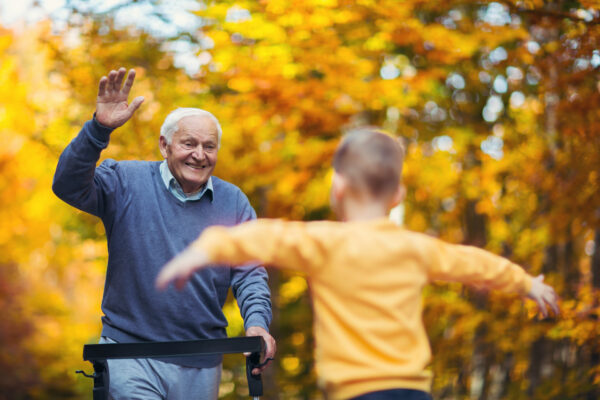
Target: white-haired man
x: 152, y: 210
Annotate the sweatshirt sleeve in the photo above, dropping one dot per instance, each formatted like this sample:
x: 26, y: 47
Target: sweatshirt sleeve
x: 282, y: 244
x: 475, y: 267
x: 77, y: 181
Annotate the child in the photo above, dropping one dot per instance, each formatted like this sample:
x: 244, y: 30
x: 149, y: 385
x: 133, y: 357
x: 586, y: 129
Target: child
x: 366, y: 274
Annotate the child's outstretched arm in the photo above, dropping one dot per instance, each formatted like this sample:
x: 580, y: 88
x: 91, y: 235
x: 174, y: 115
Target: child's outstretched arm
x: 290, y: 245
x: 478, y: 267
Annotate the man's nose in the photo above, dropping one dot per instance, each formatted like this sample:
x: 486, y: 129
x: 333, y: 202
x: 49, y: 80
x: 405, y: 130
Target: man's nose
x: 198, y: 153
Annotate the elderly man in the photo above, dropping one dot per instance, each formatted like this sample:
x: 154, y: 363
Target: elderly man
x: 151, y: 211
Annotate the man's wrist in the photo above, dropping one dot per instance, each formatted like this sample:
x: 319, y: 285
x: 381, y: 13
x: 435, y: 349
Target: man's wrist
x: 101, y: 125
x: 255, y: 322
x: 100, y: 132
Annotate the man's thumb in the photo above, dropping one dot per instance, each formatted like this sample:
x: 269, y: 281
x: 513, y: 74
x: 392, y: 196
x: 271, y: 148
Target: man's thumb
x: 136, y: 103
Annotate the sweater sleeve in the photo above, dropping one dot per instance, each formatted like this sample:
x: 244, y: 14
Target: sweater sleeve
x: 249, y: 283
x: 283, y: 244
x: 77, y: 181
x: 474, y: 266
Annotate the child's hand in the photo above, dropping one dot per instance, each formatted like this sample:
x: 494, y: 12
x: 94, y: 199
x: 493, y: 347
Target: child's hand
x: 543, y: 294
x: 180, y: 268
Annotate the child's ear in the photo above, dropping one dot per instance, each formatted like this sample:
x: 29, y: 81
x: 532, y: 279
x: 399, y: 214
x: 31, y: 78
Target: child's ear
x: 338, y: 186
x: 399, y: 196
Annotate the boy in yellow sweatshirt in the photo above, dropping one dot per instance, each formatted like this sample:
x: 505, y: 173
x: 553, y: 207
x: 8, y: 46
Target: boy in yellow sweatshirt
x: 366, y: 274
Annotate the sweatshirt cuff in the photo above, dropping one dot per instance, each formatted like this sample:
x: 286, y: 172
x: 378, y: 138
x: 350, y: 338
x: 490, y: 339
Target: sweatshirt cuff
x: 255, y: 320
x: 99, y: 131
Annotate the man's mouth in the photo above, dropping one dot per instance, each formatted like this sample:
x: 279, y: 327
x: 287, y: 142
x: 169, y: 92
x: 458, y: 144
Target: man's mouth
x: 196, y: 166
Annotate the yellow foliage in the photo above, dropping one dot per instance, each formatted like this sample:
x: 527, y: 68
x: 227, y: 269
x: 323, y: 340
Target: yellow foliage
x: 292, y: 289
x: 286, y: 79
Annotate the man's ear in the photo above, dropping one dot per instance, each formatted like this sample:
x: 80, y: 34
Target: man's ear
x: 162, y: 145
x: 399, y: 196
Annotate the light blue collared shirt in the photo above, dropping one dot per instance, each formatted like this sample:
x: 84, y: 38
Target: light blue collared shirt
x: 175, y: 188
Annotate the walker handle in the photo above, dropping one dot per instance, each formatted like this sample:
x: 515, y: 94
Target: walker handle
x: 255, y: 386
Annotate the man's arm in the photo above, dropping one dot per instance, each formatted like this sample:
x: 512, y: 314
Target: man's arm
x: 251, y: 290
x: 477, y: 267
x: 76, y: 180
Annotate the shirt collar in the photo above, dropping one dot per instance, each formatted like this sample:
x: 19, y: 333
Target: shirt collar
x: 175, y: 188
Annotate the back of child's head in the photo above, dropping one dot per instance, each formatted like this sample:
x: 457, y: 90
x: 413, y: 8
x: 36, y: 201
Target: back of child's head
x: 370, y: 161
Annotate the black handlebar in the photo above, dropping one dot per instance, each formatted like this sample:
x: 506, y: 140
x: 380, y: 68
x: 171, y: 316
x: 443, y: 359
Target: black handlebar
x: 97, y: 354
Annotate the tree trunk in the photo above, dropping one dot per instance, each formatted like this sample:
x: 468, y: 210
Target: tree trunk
x: 476, y: 235
x: 595, y: 267
x: 595, y: 350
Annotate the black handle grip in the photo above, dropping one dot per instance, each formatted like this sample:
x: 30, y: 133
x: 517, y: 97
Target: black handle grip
x: 101, y: 380
x: 255, y: 385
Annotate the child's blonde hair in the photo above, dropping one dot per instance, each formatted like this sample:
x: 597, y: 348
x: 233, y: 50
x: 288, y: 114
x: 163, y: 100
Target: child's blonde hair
x: 371, y: 161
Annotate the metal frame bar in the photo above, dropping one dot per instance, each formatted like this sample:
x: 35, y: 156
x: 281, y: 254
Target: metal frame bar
x: 97, y: 354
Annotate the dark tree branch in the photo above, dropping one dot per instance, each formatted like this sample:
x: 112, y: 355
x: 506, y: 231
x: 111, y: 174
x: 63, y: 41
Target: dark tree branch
x: 549, y: 14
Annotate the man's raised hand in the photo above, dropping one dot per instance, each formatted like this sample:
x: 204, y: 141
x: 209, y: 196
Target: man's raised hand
x: 112, y: 109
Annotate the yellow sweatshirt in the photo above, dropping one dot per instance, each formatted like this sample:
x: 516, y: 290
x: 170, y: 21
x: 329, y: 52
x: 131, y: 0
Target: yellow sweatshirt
x: 366, y: 280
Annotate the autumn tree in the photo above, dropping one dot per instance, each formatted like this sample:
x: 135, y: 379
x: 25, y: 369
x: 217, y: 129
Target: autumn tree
x: 495, y: 101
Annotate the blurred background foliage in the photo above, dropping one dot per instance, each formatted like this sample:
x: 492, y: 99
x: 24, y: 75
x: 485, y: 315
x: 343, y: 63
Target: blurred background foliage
x: 497, y: 103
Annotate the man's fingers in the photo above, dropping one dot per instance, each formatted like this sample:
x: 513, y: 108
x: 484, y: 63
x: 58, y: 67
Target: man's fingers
x: 270, y: 345
x: 271, y: 348
x: 102, y: 86
x: 129, y: 81
x: 112, y: 75
x: 119, y: 79
x: 259, y: 370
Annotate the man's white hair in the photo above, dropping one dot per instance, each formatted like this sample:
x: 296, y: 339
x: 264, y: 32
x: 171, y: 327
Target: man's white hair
x: 169, y: 127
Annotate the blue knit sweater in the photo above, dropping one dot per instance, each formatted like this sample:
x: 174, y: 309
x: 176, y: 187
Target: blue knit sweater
x: 145, y: 227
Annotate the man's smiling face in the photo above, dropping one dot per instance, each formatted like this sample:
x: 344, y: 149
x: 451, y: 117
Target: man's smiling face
x: 192, y: 153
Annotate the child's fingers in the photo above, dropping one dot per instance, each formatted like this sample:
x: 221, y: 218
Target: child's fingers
x: 169, y: 273
x: 180, y: 269
x: 552, y: 300
x: 180, y: 282
x: 555, y: 307
x: 162, y: 281
x: 164, y: 277
x: 542, y: 304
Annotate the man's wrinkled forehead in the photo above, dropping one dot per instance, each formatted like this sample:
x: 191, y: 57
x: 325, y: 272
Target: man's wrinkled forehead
x: 197, y: 123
